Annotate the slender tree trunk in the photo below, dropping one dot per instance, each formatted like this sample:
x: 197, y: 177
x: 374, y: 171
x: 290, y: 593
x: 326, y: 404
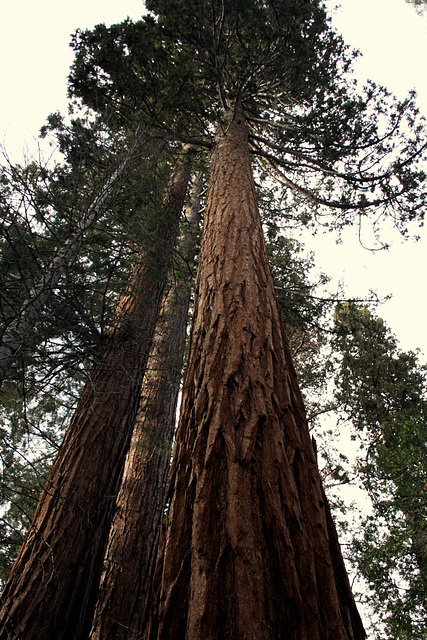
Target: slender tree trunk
x: 132, y: 547
x: 250, y: 550
x: 52, y: 589
x: 22, y: 327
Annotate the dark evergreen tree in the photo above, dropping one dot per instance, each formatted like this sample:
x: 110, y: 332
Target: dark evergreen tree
x: 382, y: 391
x: 40, y: 207
x: 20, y: 327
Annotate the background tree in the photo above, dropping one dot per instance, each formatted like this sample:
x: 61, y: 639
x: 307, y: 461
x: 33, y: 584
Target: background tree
x: 306, y: 307
x: 65, y: 545
x: 42, y: 387
x: 129, y: 561
x: 382, y: 391
x: 20, y: 328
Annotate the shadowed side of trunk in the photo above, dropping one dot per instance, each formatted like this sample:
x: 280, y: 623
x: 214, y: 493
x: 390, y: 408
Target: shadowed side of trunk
x: 131, y: 552
x: 250, y: 550
x: 52, y: 589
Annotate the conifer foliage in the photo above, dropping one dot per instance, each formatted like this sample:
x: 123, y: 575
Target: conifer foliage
x: 382, y: 391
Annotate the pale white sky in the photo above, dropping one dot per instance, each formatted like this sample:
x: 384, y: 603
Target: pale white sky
x: 34, y: 62
x: 393, y: 40
x: 35, y: 58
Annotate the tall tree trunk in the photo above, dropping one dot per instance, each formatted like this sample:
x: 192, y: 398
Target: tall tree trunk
x: 250, y: 550
x: 132, y: 547
x: 52, y: 589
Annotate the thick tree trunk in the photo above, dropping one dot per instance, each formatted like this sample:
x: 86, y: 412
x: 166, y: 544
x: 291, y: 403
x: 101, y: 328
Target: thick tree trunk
x: 132, y: 547
x: 52, y: 589
x: 250, y: 550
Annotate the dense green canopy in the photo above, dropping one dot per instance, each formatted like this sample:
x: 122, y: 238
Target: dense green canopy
x: 331, y: 146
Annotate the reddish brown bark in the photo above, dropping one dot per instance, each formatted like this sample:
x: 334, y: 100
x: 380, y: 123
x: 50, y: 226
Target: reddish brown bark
x: 52, y: 589
x: 132, y: 547
x: 250, y: 550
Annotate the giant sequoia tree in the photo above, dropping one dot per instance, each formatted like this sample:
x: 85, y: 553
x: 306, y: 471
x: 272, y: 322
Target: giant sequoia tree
x: 250, y: 548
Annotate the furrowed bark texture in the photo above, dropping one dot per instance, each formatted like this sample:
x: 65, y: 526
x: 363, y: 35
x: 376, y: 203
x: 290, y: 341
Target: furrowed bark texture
x: 250, y: 549
x: 51, y: 592
x: 132, y: 547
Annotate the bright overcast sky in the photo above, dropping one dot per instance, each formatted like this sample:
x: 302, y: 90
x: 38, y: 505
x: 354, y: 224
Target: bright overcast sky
x: 35, y: 58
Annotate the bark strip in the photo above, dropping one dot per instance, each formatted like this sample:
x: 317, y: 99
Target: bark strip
x: 132, y: 547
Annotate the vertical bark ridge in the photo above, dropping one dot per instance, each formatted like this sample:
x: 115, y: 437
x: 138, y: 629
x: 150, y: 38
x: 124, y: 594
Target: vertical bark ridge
x: 131, y: 552
x: 248, y: 550
x: 52, y: 589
